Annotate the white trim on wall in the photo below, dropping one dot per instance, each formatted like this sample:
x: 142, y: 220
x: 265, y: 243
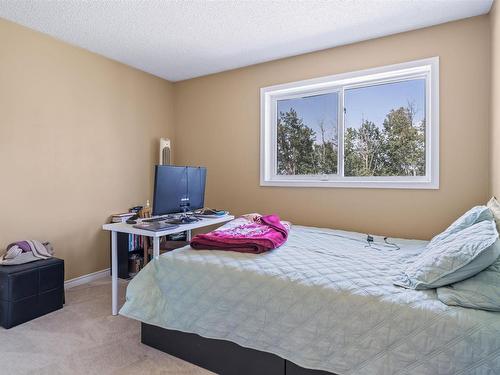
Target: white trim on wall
x: 425, y: 68
x: 86, y: 278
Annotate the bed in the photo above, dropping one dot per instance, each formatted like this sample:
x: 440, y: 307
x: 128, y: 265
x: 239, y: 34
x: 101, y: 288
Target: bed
x: 322, y: 303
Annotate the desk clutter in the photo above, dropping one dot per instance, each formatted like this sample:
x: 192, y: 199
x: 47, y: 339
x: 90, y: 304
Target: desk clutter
x: 133, y: 214
x: 122, y: 218
x: 155, y: 226
x: 161, y: 223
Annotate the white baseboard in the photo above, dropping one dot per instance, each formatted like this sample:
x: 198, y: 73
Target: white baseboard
x: 86, y: 278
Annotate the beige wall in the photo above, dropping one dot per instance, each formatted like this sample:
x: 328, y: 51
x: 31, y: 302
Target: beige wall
x: 495, y: 99
x: 217, y: 125
x: 78, y: 137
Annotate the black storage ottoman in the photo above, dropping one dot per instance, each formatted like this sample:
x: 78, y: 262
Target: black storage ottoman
x: 30, y: 290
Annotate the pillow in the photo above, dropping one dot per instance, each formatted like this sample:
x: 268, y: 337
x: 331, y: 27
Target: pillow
x: 494, y: 207
x: 471, y: 217
x: 479, y: 292
x: 454, y: 258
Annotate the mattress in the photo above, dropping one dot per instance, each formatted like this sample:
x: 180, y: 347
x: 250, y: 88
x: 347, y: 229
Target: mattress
x: 324, y: 300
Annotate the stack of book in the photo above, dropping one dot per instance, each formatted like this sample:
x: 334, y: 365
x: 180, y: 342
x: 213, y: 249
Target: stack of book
x: 121, y: 218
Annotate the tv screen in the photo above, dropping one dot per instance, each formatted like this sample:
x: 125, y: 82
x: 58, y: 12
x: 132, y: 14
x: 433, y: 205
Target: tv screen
x: 178, y: 188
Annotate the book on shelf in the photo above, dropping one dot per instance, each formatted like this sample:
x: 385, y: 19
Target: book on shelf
x: 135, y: 242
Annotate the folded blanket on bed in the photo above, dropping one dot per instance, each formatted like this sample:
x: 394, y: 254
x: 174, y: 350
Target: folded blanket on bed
x: 26, y: 251
x: 248, y: 234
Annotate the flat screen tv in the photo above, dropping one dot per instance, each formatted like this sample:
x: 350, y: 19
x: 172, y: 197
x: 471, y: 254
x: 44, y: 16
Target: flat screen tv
x: 178, y: 189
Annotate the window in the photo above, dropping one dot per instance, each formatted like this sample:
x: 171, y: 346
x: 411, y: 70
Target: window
x: 373, y: 128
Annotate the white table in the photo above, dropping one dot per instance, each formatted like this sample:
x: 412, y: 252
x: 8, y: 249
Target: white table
x: 114, y: 228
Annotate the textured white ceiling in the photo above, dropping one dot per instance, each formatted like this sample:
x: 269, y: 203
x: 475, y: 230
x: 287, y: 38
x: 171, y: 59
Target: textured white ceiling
x: 177, y: 40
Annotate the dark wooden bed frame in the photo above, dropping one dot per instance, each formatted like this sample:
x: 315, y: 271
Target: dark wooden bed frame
x: 220, y: 356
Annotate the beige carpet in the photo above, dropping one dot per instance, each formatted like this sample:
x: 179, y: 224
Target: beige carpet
x: 84, y: 338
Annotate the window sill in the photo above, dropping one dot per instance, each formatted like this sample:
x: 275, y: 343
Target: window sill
x: 356, y: 184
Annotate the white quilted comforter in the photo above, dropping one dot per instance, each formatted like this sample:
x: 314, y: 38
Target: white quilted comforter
x: 324, y: 301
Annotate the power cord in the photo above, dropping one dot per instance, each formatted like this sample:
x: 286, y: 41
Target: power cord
x: 371, y: 240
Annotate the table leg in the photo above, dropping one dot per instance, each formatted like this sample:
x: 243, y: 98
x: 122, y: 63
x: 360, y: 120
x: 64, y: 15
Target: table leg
x: 114, y: 272
x: 156, y: 247
x: 145, y: 242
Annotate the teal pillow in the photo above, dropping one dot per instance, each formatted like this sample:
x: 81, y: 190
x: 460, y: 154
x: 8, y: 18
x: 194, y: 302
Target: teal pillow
x: 452, y: 258
x: 471, y: 217
x: 479, y: 292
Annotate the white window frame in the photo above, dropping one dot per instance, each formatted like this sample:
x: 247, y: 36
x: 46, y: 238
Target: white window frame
x: 426, y: 68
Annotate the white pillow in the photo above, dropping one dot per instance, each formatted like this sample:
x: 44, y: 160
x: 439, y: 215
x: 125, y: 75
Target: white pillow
x: 471, y: 217
x: 479, y: 292
x: 452, y: 258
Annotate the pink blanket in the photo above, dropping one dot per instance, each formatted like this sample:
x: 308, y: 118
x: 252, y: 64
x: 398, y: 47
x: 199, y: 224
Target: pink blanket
x: 248, y: 234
